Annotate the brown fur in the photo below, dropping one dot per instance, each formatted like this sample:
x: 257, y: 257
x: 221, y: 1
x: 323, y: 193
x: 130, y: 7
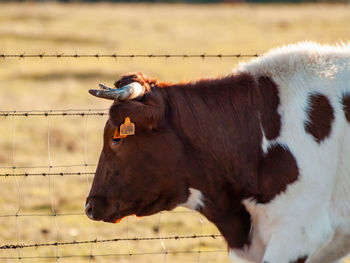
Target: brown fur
x: 277, y: 169
x: 204, y: 135
x: 321, y: 116
x: 346, y: 106
x: 270, y: 118
x: 210, y: 118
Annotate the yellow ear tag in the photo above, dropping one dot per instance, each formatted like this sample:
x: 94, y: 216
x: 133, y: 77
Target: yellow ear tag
x: 127, y: 128
x: 117, y: 135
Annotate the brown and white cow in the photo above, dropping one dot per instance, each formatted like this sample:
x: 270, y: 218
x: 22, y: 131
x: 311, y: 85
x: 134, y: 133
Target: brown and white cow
x: 263, y: 153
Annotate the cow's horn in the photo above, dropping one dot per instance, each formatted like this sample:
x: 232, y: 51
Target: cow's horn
x: 126, y: 92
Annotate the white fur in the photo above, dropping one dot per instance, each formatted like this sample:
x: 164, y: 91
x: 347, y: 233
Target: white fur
x: 305, y: 218
x: 195, y: 200
x: 265, y: 143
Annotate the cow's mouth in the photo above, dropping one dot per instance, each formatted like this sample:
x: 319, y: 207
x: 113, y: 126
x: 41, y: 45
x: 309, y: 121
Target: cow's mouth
x: 117, y: 216
x: 113, y: 219
x: 136, y: 208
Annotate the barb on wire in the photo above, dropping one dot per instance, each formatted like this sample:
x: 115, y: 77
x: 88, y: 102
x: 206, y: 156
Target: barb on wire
x: 130, y: 56
x: 12, y: 246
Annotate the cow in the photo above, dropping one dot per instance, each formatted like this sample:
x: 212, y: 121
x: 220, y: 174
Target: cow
x: 263, y: 153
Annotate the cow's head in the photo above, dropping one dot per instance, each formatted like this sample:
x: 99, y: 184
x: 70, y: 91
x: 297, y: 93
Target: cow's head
x: 143, y: 173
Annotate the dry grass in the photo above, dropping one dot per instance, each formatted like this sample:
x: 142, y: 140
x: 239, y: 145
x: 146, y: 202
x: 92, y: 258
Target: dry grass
x: 63, y: 84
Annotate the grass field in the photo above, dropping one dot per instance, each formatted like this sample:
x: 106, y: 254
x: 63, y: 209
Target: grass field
x: 35, y: 84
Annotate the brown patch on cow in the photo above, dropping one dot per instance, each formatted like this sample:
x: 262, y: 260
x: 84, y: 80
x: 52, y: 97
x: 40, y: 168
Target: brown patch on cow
x: 300, y: 260
x: 218, y: 123
x: 320, y: 117
x: 268, y: 107
x: 277, y: 169
x: 346, y: 106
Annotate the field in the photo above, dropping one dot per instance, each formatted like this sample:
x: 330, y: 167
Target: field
x: 45, y: 84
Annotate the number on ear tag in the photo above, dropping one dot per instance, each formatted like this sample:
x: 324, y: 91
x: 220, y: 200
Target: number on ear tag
x: 127, y: 128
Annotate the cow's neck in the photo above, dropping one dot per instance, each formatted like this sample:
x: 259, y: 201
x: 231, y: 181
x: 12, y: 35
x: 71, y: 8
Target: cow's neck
x: 218, y: 123
x: 220, y: 201
x: 225, y: 210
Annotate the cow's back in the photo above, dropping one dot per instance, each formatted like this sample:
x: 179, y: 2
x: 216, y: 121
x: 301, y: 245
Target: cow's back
x: 313, y: 83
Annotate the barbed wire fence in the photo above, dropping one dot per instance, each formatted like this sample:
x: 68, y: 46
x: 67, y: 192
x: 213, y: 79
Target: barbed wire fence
x: 20, y: 245
x: 85, y: 170
x: 128, y: 56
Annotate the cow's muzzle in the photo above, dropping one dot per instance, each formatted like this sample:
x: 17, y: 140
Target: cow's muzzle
x: 97, y: 209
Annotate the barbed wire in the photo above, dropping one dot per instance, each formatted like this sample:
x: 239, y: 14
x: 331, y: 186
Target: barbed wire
x: 80, y: 214
x: 35, y: 215
x: 46, y: 113
x: 12, y: 246
x: 48, y: 166
x: 15, y: 170
x: 45, y: 174
x: 121, y: 254
x: 130, y: 56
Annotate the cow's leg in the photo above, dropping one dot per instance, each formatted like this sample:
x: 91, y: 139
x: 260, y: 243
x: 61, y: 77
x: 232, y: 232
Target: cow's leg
x: 336, y: 249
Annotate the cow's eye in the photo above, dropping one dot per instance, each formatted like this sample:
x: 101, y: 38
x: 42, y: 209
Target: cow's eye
x: 116, y: 140
x: 116, y: 137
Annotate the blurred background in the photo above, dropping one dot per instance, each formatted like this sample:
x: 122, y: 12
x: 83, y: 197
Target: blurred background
x: 71, y: 144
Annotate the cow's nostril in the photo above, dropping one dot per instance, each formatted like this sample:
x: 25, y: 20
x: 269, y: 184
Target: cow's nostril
x: 88, y: 210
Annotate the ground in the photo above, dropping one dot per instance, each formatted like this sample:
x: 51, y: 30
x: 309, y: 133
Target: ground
x: 35, y: 84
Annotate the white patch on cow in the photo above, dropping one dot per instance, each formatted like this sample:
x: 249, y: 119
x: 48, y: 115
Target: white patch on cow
x: 265, y: 143
x: 337, y: 248
x: 304, y: 218
x: 195, y: 200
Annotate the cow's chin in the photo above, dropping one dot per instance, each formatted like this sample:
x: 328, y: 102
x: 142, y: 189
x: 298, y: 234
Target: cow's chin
x: 139, y: 207
x: 144, y: 208
x: 157, y: 204
x: 116, y: 217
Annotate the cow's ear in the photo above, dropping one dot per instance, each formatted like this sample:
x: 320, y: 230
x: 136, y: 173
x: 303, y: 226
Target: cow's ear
x: 146, y: 112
